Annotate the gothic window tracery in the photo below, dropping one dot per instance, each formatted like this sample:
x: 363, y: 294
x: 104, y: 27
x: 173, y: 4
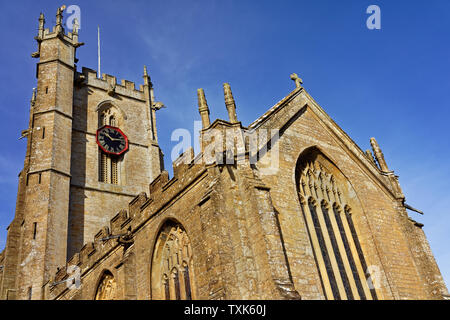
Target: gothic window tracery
x: 172, y: 261
x: 106, y: 289
x: 336, y: 247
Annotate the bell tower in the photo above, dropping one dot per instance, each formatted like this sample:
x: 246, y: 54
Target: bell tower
x: 36, y: 242
x: 70, y: 187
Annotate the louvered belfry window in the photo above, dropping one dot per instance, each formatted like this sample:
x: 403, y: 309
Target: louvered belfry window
x: 108, y: 164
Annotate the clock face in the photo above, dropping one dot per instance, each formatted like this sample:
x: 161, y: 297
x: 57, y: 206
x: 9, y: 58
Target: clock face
x: 112, y: 140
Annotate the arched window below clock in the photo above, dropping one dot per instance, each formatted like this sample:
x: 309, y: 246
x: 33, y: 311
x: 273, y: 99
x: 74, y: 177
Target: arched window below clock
x: 109, y: 163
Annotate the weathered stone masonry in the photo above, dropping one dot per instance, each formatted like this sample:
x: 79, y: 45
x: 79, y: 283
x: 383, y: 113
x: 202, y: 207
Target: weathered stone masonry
x: 311, y: 217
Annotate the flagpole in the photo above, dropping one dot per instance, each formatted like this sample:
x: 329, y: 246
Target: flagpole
x: 98, y: 37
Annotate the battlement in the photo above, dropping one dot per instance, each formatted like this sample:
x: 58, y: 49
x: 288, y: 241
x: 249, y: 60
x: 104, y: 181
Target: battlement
x: 119, y: 221
x: 69, y: 36
x: 56, y: 32
x: 183, y: 162
x: 140, y: 210
x: 134, y: 207
x: 189, y: 170
x: 109, y: 84
x: 88, y: 76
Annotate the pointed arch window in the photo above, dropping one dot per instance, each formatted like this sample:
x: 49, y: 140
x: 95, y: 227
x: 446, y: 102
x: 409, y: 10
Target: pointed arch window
x: 337, y: 250
x: 172, y: 277
x: 106, y: 289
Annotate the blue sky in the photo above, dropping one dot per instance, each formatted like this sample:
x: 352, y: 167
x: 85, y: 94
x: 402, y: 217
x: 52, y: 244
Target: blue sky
x: 393, y: 83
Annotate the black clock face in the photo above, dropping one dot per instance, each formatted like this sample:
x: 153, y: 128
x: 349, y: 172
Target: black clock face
x: 112, y: 140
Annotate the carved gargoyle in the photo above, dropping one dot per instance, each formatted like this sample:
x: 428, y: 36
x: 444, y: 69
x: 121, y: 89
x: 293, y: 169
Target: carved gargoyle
x: 158, y: 105
x: 112, y: 90
x: 126, y: 239
x: 79, y: 79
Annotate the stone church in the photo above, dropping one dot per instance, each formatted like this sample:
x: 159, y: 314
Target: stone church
x: 289, y: 207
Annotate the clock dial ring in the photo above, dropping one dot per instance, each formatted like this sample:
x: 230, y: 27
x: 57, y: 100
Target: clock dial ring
x: 111, y: 140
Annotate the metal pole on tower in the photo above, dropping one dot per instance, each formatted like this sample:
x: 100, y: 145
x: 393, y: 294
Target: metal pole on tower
x: 98, y: 36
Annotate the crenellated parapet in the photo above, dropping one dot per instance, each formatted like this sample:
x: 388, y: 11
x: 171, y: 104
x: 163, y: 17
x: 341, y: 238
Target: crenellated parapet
x: 109, y: 84
x: 134, y: 207
x: 188, y: 170
x: 56, y: 31
x: 241, y: 220
x: 119, y: 221
x: 183, y: 162
x: 88, y: 76
x: 162, y: 191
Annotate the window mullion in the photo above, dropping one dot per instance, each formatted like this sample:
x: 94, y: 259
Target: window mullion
x: 361, y: 271
x: 331, y: 252
x: 343, y: 254
x: 317, y: 250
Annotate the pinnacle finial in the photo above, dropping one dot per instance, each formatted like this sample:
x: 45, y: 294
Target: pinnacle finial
x: 41, y: 25
x: 202, y: 104
x: 145, y: 71
x: 59, y: 15
x: 59, y: 18
x: 33, y: 97
x: 379, y: 155
x: 228, y: 94
x: 370, y: 156
x: 298, y: 81
x: 76, y: 26
x: 203, y: 108
x: 230, y: 103
x: 147, y: 80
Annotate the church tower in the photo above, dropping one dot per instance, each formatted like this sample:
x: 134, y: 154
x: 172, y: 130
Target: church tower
x: 36, y: 234
x: 76, y: 175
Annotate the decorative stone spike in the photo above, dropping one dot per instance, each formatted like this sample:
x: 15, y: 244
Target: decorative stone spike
x: 76, y: 26
x: 203, y: 108
x: 40, y: 36
x: 230, y: 103
x: 379, y: 155
x: 147, y: 80
x: 33, y: 97
x: 59, y: 19
x: 75, y: 29
x: 370, y: 156
x: 41, y: 26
